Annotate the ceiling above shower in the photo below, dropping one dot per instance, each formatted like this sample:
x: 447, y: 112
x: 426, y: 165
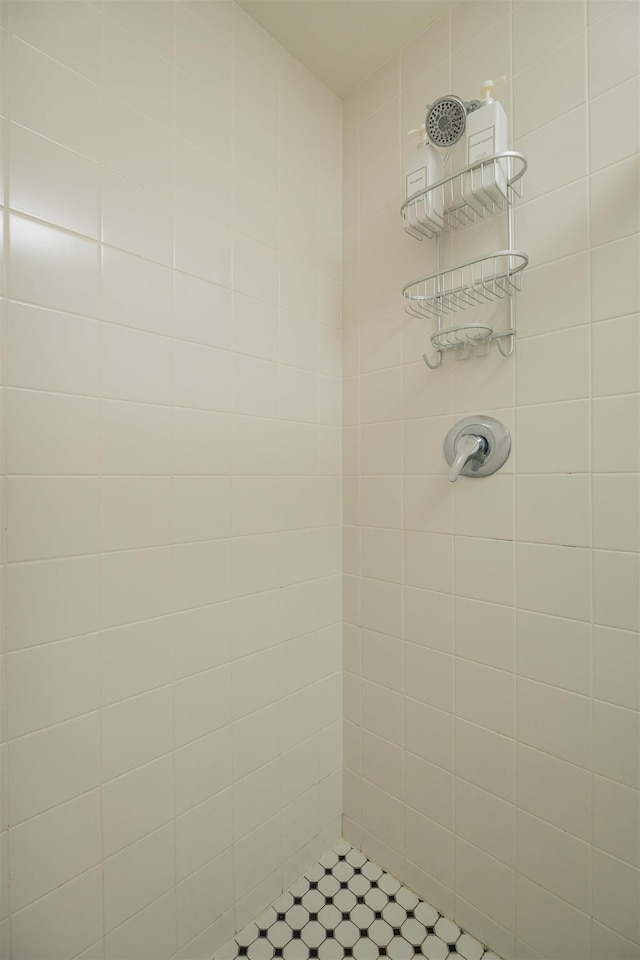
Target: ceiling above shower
x: 343, y: 41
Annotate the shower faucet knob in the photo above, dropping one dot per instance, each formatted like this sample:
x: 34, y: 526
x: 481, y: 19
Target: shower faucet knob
x: 476, y: 447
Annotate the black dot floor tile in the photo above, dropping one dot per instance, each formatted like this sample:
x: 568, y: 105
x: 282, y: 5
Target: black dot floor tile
x: 347, y: 906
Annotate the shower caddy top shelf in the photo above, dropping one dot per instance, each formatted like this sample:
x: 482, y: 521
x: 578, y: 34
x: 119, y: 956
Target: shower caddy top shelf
x: 467, y: 196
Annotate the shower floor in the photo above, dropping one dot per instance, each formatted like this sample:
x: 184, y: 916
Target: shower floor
x: 347, y: 906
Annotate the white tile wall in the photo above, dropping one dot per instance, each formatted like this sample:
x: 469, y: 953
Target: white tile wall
x: 171, y: 435
x: 171, y: 428
x: 510, y: 709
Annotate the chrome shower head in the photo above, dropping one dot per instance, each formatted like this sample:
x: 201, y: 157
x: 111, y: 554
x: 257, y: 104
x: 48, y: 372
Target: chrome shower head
x: 447, y: 118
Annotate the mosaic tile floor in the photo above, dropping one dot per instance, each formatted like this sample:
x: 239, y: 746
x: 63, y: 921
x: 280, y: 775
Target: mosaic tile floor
x: 346, y: 906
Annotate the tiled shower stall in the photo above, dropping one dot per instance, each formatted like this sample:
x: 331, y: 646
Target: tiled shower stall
x: 226, y: 502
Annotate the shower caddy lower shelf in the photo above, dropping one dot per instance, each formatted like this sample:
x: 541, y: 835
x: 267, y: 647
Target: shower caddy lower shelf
x: 465, y: 197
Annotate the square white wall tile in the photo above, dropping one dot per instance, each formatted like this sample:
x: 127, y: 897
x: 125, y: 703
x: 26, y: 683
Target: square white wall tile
x: 563, y: 927
x: 485, y: 632
x: 614, y: 196
x: 539, y: 27
x: 485, y: 696
x: 620, y: 30
x: 486, y: 882
x: 135, y: 365
x: 616, y: 738
x: 136, y: 804
x: 615, y: 663
x: 137, y: 875
x: 53, y: 101
x: 136, y: 731
x: 615, y: 819
x: 554, y: 509
x: 555, y: 791
x: 136, y: 74
x: 51, y: 433
x: 53, y: 765
x: 153, y: 928
x: 136, y: 512
x: 136, y: 219
x: 202, y: 246
x: 429, y: 845
x: 555, y: 651
x: 616, y: 434
x: 31, y: 928
x: 615, y: 371
x: 136, y: 146
x: 203, y: 118
x: 55, y: 847
x: 135, y: 585
x: 484, y: 569
x: 51, y: 183
x: 71, y: 36
x: 615, y: 597
x: 35, y: 701
x: 136, y: 292
x: 53, y: 268
x: 51, y: 351
x: 565, y: 359
x: 52, y: 517
x: 558, y: 862
x: 537, y: 99
x: 554, y: 721
x: 561, y: 285
x: 437, y: 744
x: 428, y: 676
x: 616, y: 887
x: 605, y: 114
x: 135, y: 658
x: 135, y: 438
x: 68, y: 600
x: 486, y: 821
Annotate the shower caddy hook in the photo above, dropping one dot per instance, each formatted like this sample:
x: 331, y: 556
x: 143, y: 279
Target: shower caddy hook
x: 477, y: 191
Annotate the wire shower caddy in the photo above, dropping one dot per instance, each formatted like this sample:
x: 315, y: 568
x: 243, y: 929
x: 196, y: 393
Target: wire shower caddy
x: 467, y: 196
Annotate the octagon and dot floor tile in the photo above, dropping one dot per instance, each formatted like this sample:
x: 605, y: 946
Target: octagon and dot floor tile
x: 359, y: 885
x: 407, y: 898
x: 399, y: 949
x: 376, y: 899
x: 330, y: 950
x: 426, y: 914
x: 371, y: 870
x: 413, y: 931
x: 313, y: 934
x: 363, y: 916
x: 329, y: 859
x: 297, y: 917
x: 260, y: 949
x: 313, y: 901
x: 345, y: 901
x: 343, y: 871
x: 389, y: 884
x: 315, y: 873
x: 347, y: 933
x: 434, y: 948
x: 344, y: 907
x: 366, y: 949
x: 380, y: 932
x: 265, y: 919
x: 394, y: 914
x: 296, y: 950
x: 328, y: 886
x: 447, y: 930
x: 248, y: 935
x: 469, y: 948
x: 279, y: 933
